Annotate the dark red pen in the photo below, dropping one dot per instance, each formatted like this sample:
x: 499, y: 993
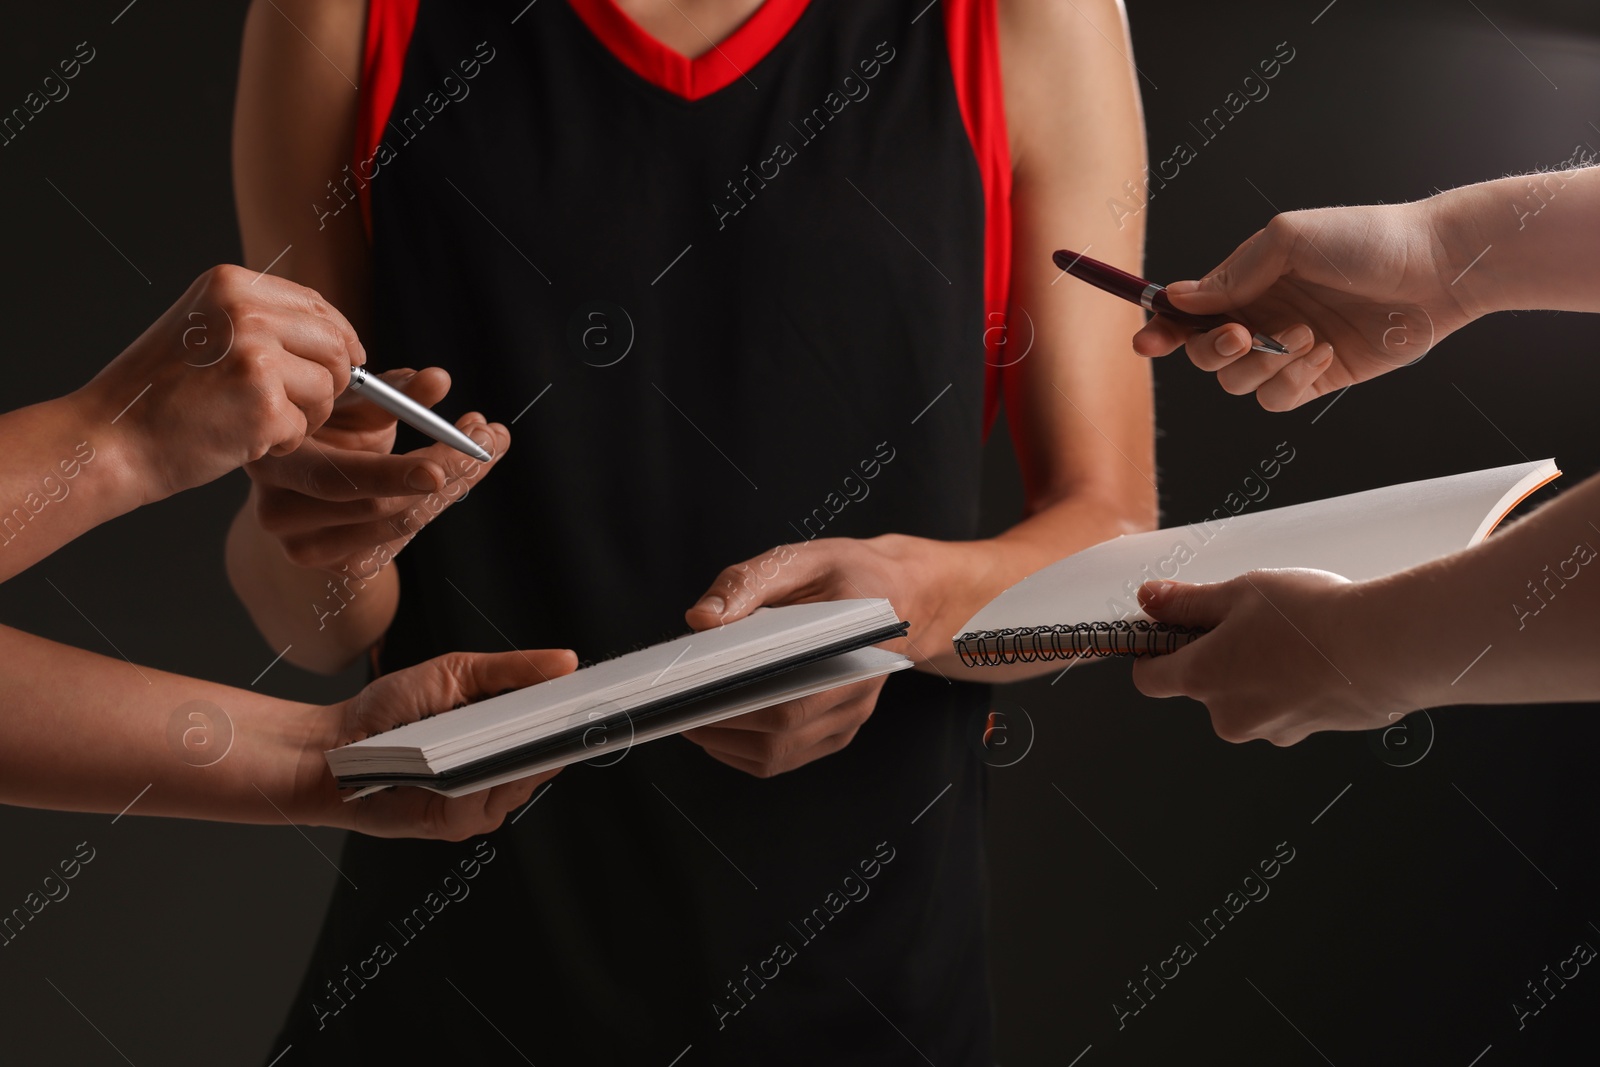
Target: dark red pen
x: 1151, y: 296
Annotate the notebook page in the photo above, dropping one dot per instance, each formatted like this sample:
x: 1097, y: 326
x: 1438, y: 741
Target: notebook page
x: 1362, y: 535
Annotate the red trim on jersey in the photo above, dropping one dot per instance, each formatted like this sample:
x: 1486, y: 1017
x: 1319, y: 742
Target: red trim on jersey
x: 974, y: 43
x: 383, y: 61
x: 692, y: 79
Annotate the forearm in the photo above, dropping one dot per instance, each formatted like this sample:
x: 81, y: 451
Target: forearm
x: 81, y: 732
x: 971, y: 573
x: 1523, y: 243
x: 1082, y: 429
x: 325, y: 622
x: 67, y: 470
x: 1515, y: 619
x: 1078, y: 402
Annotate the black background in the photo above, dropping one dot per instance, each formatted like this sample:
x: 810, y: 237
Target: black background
x: 1407, y: 921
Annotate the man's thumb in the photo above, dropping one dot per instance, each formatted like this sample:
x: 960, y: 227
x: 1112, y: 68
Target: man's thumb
x: 1211, y: 295
x: 1240, y: 279
x: 1185, y: 604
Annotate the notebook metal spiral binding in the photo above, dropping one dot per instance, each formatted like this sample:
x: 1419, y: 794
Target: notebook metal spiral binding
x: 991, y: 648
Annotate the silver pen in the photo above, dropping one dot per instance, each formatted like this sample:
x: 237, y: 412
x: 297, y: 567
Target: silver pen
x: 412, y: 413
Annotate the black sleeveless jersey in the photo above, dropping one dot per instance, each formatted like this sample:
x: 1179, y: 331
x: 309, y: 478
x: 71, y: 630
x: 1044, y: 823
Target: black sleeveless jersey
x: 725, y: 304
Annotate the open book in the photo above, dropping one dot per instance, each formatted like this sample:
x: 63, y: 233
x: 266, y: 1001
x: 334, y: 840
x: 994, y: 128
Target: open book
x: 771, y: 656
x: 1087, y: 605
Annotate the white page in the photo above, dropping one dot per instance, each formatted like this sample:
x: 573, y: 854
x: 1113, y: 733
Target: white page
x: 766, y: 636
x: 845, y: 669
x: 1361, y: 536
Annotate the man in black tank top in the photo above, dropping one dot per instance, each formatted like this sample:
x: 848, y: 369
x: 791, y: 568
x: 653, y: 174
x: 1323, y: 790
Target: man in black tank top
x: 748, y: 314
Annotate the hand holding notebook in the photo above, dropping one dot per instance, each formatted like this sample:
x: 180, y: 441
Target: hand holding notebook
x: 1514, y: 619
x: 1275, y: 638
x: 771, y: 656
x: 921, y: 577
x: 1337, y: 614
x: 1088, y: 605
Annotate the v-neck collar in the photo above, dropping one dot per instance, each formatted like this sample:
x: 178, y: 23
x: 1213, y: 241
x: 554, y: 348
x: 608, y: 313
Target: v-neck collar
x: 692, y: 79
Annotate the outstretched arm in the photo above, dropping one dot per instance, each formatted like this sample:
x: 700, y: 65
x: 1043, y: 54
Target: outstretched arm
x: 239, y: 368
x: 1356, y: 292
x: 81, y: 732
x: 1515, y: 619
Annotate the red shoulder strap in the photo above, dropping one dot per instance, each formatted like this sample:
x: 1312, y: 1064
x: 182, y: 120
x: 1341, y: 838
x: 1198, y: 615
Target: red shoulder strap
x: 973, y: 39
x: 383, y: 59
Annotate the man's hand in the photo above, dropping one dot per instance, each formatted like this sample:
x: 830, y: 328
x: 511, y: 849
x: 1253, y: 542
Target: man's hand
x: 780, y: 738
x: 344, y: 499
x: 440, y: 684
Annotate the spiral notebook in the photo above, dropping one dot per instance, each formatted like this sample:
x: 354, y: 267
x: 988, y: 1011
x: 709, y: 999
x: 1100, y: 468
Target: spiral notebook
x: 600, y: 712
x: 1086, y: 605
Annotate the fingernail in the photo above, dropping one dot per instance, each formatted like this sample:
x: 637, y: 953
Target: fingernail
x: 1297, y: 338
x: 1230, y: 345
x: 1153, y: 592
x: 1183, y: 288
x: 421, y: 479
x: 713, y: 604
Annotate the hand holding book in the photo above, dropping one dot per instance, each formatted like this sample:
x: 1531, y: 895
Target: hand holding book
x: 774, y: 656
x: 1338, y: 614
x: 407, y: 696
x: 1513, y: 619
x: 910, y: 572
x: 796, y: 732
x: 1305, y: 627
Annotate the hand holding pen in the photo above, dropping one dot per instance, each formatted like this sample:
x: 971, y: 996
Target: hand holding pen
x: 1351, y: 293
x: 1152, y: 296
x: 240, y: 367
x: 243, y: 368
